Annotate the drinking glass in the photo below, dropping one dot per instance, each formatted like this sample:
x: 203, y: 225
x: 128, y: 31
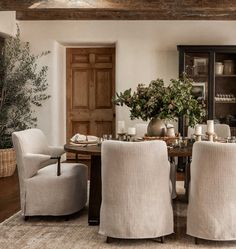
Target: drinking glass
x: 105, y: 137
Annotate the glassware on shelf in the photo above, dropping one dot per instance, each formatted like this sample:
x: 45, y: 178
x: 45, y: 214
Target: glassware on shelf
x: 219, y: 68
x: 225, y: 98
x: 228, y: 67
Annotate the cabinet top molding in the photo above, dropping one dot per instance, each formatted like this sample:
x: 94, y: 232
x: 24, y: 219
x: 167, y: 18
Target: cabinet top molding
x: 121, y: 9
x: 207, y: 48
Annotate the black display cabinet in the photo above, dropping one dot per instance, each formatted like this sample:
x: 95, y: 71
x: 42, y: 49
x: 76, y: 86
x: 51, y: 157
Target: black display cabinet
x: 213, y: 70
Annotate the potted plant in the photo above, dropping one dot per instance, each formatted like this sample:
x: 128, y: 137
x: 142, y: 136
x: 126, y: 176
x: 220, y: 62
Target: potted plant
x: 22, y: 85
x: 158, y: 103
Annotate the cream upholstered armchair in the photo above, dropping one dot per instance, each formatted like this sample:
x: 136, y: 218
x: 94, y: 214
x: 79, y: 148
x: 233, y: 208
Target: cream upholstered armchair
x: 47, y: 188
x: 211, y: 211
x: 136, y: 190
x: 221, y: 130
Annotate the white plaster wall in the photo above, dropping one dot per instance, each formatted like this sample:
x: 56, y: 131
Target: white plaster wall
x: 145, y: 50
x: 7, y: 22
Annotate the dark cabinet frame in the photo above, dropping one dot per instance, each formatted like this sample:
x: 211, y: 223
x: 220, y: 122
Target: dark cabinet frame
x: 212, y: 51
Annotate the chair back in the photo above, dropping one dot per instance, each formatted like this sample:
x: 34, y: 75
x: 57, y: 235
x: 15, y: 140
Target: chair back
x: 221, y: 130
x: 27, y: 141
x: 135, y: 190
x: 141, y: 129
x: 212, y: 202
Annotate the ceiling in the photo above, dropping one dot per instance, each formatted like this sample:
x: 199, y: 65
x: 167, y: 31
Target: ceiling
x: 121, y: 9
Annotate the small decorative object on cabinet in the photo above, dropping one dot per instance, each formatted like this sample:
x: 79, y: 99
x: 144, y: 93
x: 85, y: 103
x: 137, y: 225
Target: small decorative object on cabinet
x: 213, y: 67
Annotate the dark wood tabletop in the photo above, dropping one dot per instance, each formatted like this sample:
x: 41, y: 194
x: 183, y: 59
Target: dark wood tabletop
x: 96, y: 150
x: 87, y: 150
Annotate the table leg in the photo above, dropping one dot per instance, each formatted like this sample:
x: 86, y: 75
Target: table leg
x: 95, y: 195
x: 187, y: 178
x: 173, y: 177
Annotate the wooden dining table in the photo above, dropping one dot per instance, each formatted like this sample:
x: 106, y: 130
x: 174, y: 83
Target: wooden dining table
x: 95, y: 196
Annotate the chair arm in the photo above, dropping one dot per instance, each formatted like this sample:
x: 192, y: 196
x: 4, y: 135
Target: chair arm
x: 56, y: 151
x: 33, y: 163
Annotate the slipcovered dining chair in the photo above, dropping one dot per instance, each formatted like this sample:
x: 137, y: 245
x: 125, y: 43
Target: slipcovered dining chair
x: 221, y: 130
x: 141, y: 129
x: 47, y: 187
x: 136, y: 190
x: 211, y: 211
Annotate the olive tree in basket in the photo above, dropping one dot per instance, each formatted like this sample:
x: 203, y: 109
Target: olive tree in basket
x: 22, y: 85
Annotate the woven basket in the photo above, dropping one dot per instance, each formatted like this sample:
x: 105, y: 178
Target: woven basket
x: 7, y: 162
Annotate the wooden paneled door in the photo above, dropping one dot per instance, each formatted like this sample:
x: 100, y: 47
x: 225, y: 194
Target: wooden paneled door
x: 90, y: 87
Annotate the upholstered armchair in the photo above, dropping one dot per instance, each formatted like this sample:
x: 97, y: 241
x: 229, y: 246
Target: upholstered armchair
x: 136, y: 190
x: 47, y: 188
x: 221, y: 130
x: 211, y: 211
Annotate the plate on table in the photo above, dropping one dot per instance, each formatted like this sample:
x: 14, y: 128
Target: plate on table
x: 86, y: 142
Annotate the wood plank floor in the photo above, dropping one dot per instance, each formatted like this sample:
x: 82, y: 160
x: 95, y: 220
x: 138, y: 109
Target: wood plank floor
x: 10, y: 194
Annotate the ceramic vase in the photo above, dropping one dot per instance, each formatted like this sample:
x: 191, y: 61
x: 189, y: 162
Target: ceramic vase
x: 156, y: 128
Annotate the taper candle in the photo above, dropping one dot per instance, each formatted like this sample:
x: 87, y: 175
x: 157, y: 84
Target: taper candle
x: 210, y: 126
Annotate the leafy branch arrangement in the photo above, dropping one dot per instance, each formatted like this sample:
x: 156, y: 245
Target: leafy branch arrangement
x: 158, y: 101
x: 22, y: 85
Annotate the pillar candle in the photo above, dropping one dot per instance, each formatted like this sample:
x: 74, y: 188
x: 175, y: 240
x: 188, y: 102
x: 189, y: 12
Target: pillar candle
x: 121, y: 127
x: 131, y: 131
x: 198, y: 130
x: 210, y: 126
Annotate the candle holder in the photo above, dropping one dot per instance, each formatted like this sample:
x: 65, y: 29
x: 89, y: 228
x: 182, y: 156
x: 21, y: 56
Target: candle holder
x: 130, y: 137
x: 210, y: 136
x: 198, y: 137
x: 121, y: 136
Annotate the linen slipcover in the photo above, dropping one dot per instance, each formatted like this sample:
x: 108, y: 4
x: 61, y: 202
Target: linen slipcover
x: 136, y: 190
x: 212, y: 198
x: 42, y: 192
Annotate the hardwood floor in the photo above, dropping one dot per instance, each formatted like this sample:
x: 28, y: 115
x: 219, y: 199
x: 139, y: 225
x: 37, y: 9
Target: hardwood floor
x: 10, y: 193
x: 9, y: 196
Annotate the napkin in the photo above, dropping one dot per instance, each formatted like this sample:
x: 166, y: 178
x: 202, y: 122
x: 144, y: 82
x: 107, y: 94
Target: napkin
x: 77, y: 138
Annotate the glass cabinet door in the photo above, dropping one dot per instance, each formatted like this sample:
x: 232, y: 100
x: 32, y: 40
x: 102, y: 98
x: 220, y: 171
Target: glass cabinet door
x: 213, y: 70
x: 196, y: 67
x: 225, y: 90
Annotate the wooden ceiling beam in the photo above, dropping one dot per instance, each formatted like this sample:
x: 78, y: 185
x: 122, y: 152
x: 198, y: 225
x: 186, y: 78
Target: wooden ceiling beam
x: 103, y: 14
x: 13, y: 5
x: 124, y: 10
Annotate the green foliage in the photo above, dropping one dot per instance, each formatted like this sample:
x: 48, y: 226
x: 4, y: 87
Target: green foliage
x: 22, y: 85
x: 158, y: 101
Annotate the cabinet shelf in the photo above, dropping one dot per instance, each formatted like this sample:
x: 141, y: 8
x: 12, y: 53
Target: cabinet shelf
x: 225, y: 75
x: 225, y: 102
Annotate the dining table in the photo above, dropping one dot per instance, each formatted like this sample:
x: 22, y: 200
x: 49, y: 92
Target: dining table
x: 95, y: 195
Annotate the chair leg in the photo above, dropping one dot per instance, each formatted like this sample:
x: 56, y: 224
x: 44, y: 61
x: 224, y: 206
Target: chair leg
x: 196, y: 240
x: 26, y: 218
x: 159, y: 239
x: 162, y: 239
x: 109, y: 240
x: 67, y: 218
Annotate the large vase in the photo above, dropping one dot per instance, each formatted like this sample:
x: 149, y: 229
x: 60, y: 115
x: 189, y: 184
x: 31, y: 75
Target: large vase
x: 156, y: 128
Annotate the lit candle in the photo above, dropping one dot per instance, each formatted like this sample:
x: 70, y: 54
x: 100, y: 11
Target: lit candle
x: 121, y: 127
x: 131, y: 131
x: 198, y: 130
x: 210, y: 126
